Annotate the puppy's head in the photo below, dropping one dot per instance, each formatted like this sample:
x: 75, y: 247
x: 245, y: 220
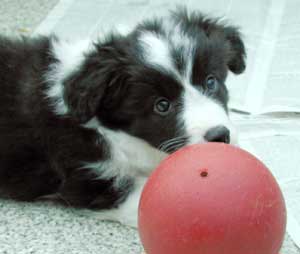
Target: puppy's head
x: 164, y: 82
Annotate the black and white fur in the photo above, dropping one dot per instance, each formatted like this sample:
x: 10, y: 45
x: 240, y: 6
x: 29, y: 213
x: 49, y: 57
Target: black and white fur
x: 86, y: 123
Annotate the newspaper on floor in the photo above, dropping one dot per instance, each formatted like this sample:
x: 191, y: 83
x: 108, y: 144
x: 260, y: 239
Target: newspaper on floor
x: 272, y: 79
x: 270, y: 86
x: 276, y: 141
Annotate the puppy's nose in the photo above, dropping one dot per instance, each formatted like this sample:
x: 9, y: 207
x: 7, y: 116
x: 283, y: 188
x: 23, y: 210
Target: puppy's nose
x: 218, y: 134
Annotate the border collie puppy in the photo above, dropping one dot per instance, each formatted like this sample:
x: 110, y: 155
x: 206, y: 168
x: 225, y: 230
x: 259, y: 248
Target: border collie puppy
x: 86, y: 123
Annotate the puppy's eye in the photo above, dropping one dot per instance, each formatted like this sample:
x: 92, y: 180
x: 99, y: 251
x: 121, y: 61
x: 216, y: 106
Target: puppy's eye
x: 162, y: 106
x: 211, y: 83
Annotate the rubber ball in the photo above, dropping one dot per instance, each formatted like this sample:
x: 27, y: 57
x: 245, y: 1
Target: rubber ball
x: 212, y: 198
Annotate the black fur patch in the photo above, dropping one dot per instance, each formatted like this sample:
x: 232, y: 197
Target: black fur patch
x: 40, y: 153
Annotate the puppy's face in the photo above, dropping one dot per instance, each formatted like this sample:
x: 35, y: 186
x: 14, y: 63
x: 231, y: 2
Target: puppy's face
x: 165, y: 82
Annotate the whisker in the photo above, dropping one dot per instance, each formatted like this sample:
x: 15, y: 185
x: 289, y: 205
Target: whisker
x: 173, y: 144
x: 170, y: 141
x: 174, y: 141
x: 174, y: 148
x: 176, y: 138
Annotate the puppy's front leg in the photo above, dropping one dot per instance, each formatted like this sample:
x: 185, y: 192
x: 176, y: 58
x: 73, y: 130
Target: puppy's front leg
x: 127, y: 212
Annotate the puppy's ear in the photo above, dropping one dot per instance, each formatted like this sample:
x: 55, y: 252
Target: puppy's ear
x: 215, y: 28
x: 87, y: 88
x: 237, y: 56
x: 236, y: 61
x: 83, y: 91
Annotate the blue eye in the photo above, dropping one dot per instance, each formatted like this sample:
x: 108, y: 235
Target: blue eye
x: 211, y: 83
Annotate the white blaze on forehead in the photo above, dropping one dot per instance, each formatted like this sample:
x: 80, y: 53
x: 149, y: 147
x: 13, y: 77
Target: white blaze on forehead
x: 156, y: 50
x: 201, y: 113
x: 186, y: 44
x: 180, y: 40
x: 190, y: 57
x: 177, y: 35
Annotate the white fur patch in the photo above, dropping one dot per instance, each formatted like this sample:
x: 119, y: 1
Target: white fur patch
x: 70, y: 56
x: 130, y: 156
x: 201, y: 113
x: 179, y: 40
x: 176, y: 35
x: 156, y: 51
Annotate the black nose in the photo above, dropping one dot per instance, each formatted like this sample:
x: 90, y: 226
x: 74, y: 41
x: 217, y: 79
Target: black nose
x: 218, y: 134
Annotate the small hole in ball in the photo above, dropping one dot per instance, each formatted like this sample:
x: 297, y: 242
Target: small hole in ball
x: 204, y: 173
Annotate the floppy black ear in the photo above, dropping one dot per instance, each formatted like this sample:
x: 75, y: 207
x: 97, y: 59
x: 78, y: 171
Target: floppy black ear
x: 237, y: 57
x: 237, y: 54
x: 87, y: 88
x: 83, y: 91
x: 216, y: 28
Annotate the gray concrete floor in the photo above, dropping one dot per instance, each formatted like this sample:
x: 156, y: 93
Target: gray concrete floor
x: 23, y: 16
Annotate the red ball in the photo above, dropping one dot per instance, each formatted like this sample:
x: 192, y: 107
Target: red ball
x: 212, y: 199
